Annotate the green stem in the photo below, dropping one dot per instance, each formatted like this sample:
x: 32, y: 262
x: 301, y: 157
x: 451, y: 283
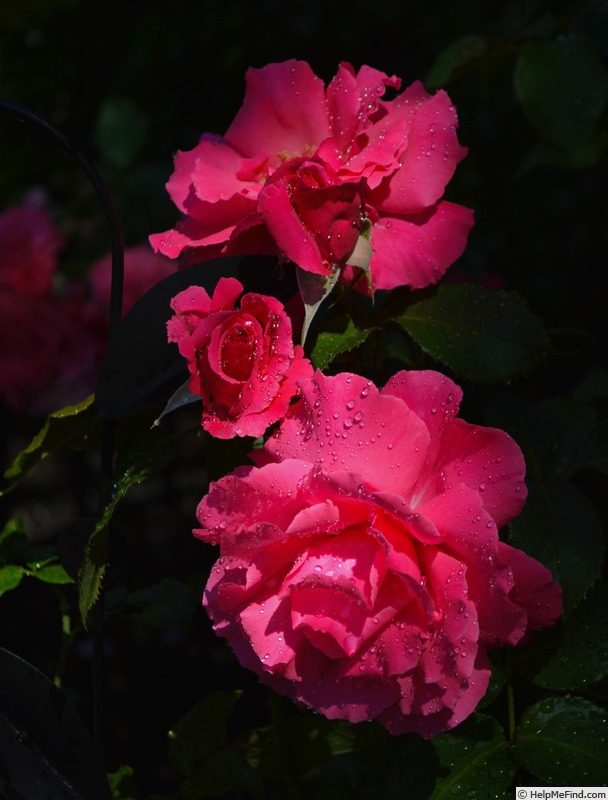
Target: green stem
x: 67, y: 635
x: 510, y: 698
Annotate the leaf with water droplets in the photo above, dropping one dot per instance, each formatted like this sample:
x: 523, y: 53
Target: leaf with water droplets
x: 476, y: 757
x: 480, y: 334
x: 72, y: 426
x: 563, y: 742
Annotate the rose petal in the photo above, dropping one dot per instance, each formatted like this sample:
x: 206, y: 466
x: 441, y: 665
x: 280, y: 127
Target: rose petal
x: 215, y: 173
x: 416, y: 251
x: 352, y: 99
x: 283, y: 114
x: 431, y: 157
x: 470, y: 535
x: 487, y: 460
x: 534, y: 588
x: 344, y: 421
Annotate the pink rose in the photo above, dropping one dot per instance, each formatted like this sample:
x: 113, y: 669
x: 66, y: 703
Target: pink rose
x: 302, y: 167
x: 29, y: 244
x: 243, y: 362
x: 312, y: 214
x: 360, y: 568
x: 43, y: 356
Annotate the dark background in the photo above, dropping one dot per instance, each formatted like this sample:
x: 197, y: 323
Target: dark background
x: 132, y: 82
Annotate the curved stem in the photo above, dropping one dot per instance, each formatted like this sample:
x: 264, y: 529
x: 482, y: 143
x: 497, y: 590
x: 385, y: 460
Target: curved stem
x: 107, y: 446
x: 27, y: 115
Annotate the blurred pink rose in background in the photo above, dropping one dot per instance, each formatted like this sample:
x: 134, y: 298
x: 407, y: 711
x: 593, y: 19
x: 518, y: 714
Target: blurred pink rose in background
x: 54, y: 328
x: 302, y: 168
x: 360, y: 568
x: 40, y: 341
x: 30, y: 244
x: 143, y: 269
x: 243, y: 361
x: 43, y: 357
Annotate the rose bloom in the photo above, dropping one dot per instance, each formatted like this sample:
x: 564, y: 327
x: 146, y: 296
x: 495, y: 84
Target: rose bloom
x: 302, y: 166
x: 29, y: 244
x: 360, y: 568
x: 43, y: 357
x: 242, y: 361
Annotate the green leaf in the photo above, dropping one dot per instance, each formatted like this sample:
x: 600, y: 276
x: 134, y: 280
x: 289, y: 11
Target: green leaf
x: 578, y: 445
x: 456, y: 55
x: 52, y: 573
x: 120, y: 131
x: 165, y: 605
x: 13, y: 543
x: 329, y: 344
x: 534, y: 429
x: 69, y: 426
x: 122, y: 784
x: 498, y: 681
x: 141, y: 452
x: 10, y: 577
x: 12, y: 527
x: 563, y: 89
x: 201, y: 731
x: 595, y: 455
x: 219, y: 774
x: 563, y: 741
x: 579, y: 655
x: 559, y: 527
x: 93, y: 568
x: 559, y: 437
x: 379, y: 770
x: 311, y: 740
x: 46, y: 750
x: 180, y: 397
x: 476, y: 756
x: 481, y: 335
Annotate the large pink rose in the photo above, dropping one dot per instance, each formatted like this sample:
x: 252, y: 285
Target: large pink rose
x: 360, y: 568
x: 29, y: 244
x: 302, y: 167
x: 243, y: 362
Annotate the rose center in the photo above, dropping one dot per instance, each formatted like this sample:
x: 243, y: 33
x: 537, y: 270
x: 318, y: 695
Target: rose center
x: 239, y: 351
